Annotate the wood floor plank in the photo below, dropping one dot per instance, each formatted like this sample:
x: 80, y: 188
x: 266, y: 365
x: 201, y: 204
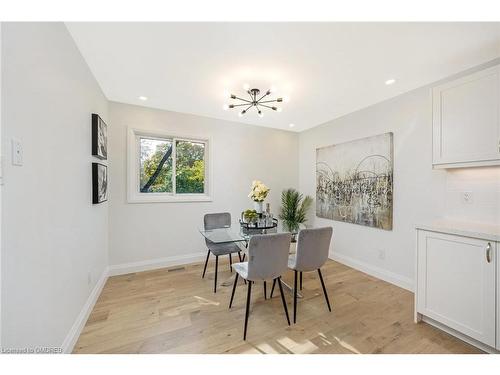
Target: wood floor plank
x: 175, y: 311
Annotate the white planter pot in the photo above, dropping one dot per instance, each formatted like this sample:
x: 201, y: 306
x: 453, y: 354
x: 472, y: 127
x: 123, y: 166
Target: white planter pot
x: 258, y: 206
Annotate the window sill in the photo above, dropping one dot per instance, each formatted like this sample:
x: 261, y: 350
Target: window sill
x: 161, y: 198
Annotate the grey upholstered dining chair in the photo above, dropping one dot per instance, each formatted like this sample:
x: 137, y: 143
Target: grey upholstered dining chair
x: 215, y: 221
x: 312, y: 253
x: 267, y: 260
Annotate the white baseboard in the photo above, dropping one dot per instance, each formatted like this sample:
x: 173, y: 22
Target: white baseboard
x: 379, y: 273
x: 152, y: 264
x: 121, y: 269
x: 76, y: 329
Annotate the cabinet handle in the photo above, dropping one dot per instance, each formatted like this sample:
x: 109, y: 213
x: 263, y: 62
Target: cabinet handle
x: 488, y: 253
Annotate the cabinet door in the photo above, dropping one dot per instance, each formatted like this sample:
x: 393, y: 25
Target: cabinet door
x: 498, y: 295
x: 456, y: 283
x: 466, y: 119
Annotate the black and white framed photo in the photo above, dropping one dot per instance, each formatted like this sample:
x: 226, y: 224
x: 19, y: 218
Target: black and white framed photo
x: 99, y: 183
x: 99, y: 137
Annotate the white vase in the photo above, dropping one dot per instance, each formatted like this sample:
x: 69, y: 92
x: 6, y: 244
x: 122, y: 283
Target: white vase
x: 258, y: 206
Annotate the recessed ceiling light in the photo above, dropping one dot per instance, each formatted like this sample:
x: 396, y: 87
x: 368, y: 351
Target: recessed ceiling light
x: 390, y: 81
x: 291, y: 125
x: 143, y: 98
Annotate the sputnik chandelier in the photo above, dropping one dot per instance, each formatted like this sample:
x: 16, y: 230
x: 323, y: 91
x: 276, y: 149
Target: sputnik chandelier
x: 256, y: 100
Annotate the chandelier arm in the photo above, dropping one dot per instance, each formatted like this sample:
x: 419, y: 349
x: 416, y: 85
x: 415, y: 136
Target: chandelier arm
x: 269, y: 101
x: 263, y: 105
x: 263, y: 96
x: 239, y: 105
x: 246, y: 109
x: 245, y: 100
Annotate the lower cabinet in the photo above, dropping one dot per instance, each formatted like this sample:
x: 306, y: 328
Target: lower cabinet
x: 456, y: 284
x: 498, y: 296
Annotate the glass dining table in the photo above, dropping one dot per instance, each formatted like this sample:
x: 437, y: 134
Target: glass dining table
x: 240, y: 237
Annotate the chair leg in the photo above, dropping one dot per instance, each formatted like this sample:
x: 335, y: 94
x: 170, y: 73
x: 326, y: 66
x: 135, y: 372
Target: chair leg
x: 300, y: 280
x: 242, y: 260
x: 216, y: 267
x: 247, y: 310
x: 324, y: 290
x: 272, y: 288
x: 295, y: 298
x: 239, y: 255
x: 231, y: 263
x: 283, y: 299
x: 234, y: 288
x: 206, y: 262
x: 265, y: 290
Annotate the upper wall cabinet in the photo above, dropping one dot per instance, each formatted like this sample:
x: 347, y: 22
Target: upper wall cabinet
x: 466, y: 121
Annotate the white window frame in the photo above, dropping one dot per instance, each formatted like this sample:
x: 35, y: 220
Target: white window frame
x: 134, y: 167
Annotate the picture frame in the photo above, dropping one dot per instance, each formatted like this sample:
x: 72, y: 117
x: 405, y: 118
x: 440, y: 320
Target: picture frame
x: 99, y: 183
x: 99, y: 137
x: 354, y: 181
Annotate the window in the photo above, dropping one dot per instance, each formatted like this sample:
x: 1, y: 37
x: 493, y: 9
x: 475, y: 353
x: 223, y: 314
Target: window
x: 165, y: 168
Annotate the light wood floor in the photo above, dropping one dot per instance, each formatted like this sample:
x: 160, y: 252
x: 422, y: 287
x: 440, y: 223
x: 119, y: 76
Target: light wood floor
x: 175, y: 311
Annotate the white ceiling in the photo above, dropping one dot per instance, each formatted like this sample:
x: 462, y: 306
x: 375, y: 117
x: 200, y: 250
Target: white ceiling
x: 327, y: 69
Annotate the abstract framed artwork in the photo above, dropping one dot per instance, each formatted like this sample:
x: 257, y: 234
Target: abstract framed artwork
x: 99, y: 137
x: 99, y: 183
x: 354, y: 181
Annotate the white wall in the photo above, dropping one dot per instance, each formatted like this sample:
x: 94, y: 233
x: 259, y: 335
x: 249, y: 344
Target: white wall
x: 484, y: 184
x: 420, y: 193
x: 52, y: 235
x: 1, y: 182
x: 151, y: 232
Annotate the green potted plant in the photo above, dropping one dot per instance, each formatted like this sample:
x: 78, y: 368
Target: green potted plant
x: 294, y: 207
x: 250, y: 216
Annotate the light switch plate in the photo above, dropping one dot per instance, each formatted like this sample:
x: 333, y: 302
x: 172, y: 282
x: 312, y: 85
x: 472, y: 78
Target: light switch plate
x: 17, y: 152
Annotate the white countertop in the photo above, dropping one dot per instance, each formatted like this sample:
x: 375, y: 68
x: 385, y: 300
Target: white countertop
x: 490, y: 232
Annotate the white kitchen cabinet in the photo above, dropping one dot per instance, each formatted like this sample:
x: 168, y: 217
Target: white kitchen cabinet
x: 456, y: 283
x: 466, y: 120
x: 498, y: 296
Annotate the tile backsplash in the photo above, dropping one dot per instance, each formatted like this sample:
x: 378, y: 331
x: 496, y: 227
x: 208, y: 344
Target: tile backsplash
x: 482, y: 201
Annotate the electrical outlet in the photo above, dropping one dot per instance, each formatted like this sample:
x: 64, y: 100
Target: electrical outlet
x: 381, y: 254
x: 17, y: 152
x: 467, y: 197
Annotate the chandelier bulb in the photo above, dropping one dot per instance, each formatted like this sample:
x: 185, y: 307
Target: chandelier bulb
x: 261, y: 114
x: 225, y: 107
x: 279, y: 109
